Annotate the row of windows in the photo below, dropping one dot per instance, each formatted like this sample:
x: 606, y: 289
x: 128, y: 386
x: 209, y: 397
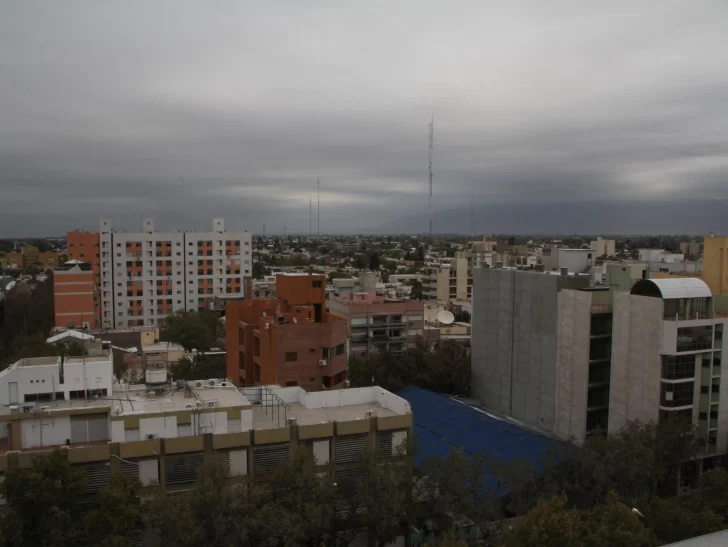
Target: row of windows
x: 228, y: 243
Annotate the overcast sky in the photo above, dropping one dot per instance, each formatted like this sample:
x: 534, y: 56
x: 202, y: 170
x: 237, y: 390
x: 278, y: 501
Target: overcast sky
x: 186, y: 110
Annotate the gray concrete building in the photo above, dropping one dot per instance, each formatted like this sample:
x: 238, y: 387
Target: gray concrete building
x: 666, y: 359
x: 515, y: 342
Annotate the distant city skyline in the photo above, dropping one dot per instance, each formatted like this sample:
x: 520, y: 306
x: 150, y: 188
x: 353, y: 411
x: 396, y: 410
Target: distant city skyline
x: 567, y: 117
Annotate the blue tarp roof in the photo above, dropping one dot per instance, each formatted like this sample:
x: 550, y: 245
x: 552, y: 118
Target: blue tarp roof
x: 442, y: 424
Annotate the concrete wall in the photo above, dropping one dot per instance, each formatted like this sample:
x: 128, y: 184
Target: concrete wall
x: 572, y: 382
x: 514, y: 340
x: 45, y: 431
x: 636, y: 364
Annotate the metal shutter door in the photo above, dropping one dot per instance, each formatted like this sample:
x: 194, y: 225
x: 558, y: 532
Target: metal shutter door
x: 268, y: 458
x: 79, y: 431
x: 98, y: 427
x: 351, y: 448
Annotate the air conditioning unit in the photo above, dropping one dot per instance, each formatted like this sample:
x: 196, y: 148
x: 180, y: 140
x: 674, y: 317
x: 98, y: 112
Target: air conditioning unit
x: 44, y: 409
x: 199, y: 384
x: 151, y: 436
x: 323, y: 362
x: 292, y: 421
x: 27, y: 409
x: 212, y: 404
x: 189, y: 407
x: 224, y: 384
x: 370, y: 413
x: 14, y: 409
x: 212, y: 382
x: 200, y: 404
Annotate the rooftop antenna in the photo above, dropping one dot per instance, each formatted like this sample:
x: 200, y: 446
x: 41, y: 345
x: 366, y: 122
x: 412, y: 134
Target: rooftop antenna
x: 310, y: 218
x: 432, y: 138
x: 285, y: 232
x: 318, y: 206
x: 263, y: 230
x: 472, y: 221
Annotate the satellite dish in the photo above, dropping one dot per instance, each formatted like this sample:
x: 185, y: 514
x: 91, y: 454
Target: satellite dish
x: 445, y: 317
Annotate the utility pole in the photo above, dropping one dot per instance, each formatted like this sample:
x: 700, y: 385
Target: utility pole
x: 318, y: 206
x: 432, y: 139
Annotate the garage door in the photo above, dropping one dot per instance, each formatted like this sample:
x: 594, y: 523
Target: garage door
x: 89, y: 428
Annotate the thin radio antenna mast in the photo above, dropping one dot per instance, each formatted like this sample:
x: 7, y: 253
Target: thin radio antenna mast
x: 432, y: 139
x: 472, y: 221
x: 310, y: 218
x: 318, y: 206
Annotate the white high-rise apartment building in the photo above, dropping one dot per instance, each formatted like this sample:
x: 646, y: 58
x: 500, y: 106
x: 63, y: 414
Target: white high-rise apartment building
x: 148, y: 275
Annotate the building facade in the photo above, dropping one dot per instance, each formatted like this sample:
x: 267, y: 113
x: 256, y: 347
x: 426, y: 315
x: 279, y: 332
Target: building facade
x: 603, y: 247
x: 573, y: 261
x: 715, y: 264
x: 453, y: 281
x: 162, y: 434
x: 666, y: 359
x: 75, y: 296
x: 290, y: 341
x: 147, y: 275
x: 515, y: 342
x: 378, y: 324
x: 30, y: 256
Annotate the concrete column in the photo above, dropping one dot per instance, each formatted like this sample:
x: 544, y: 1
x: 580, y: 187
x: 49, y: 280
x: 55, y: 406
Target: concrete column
x: 294, y: 441
x: 251, y: 458
x: 162, y: 470
x: 114, y: 461
x: 207, y: 454
x: 332, y: 452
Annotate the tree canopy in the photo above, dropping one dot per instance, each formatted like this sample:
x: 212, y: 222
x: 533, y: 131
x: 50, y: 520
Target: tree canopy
x: 445, y: 369
x: 200, y: 330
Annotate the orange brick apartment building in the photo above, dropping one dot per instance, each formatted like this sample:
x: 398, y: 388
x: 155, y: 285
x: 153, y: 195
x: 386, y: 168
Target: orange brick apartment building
x: 74, y: 295
x: 291, y: 341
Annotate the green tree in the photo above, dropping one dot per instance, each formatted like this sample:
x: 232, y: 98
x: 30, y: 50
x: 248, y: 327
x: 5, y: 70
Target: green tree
x: 614, y: 524
x: 374, y: 262
x: 199, y: 330
x: 452, y: 538
x: 549, y: 524
x: 117, y: 515
x: 675, y: 519
x: 39, y: 503
x: 338, y: 274
x: 260, y: 270
x: 416, y: 293
x: 201, y: 368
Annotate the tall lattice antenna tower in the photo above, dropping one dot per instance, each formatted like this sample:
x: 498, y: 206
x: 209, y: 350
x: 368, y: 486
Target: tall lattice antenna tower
x: 472, y: 218
x: 310, y: 218
x: 318, y: 208
x: 432, y: 141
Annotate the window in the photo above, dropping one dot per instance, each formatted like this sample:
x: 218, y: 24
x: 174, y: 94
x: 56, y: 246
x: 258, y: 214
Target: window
x: 316, y: 284
x: 291, y: 356
x: 695, y: 338
x: 676, y: 367
x: 676, y: 395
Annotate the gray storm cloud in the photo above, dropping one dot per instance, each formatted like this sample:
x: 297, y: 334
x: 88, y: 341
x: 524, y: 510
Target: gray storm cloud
x: 551, y: 116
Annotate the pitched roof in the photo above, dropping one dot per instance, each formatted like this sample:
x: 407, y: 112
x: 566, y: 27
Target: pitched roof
x: 69, y: 334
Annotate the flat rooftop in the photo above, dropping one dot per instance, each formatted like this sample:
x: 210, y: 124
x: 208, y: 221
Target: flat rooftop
x: 39, y: 361
x: 340, y: 405
x: 139, y: 400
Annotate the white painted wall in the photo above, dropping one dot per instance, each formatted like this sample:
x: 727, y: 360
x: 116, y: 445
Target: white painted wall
x: 399, y: 442
x: 117, y: 431
x: 149, y: 471
x: 45, y: 431
x: 164, y: 427
x: 209, y: 422
x: 238, y: 462
x: 31, y: 380
x: 246, y: 419
x: 321, y: 452
x: 97, y: 371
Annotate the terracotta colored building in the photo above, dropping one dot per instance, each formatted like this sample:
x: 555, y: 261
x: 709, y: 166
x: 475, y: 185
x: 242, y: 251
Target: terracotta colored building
x: 84, y: 247
x: 290, y: 341
x: 74, y: 295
